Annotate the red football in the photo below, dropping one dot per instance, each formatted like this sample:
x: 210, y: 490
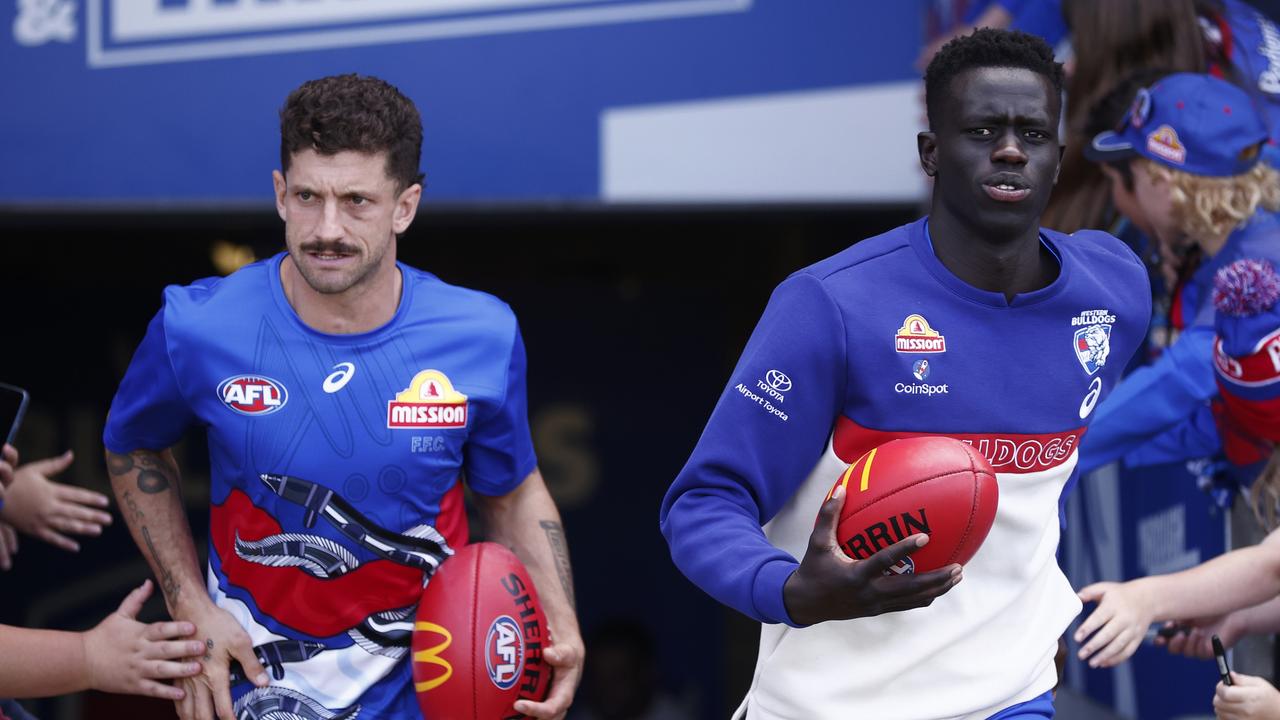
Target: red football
x: 478, y: 638
x: 935, y: 485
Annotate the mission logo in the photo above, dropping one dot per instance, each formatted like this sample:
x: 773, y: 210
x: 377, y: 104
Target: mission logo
x: 915, y: 336
x: 429, y: 402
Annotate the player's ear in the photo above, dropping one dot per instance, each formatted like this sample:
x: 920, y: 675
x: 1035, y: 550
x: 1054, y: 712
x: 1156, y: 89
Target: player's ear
x: 406, y: 208
x: 927, y: 146
x: 1058, y: 170
x: 281, y: 187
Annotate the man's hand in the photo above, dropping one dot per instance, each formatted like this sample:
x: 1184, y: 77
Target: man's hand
x: 1117, y: 626
x: 830, y: 585
x: 50, y: 511
x: 208, y: 694
x: 1250, y: 698
x: 565, y: 656
x: 125, y: 656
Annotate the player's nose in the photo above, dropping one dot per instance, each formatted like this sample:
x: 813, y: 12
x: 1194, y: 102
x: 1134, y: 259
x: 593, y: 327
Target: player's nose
x: 330, y: 225
x: 1008, y: 149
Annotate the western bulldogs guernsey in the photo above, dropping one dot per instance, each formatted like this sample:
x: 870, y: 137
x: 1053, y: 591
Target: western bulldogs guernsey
x: 880, y: 342
x: 336, y: 465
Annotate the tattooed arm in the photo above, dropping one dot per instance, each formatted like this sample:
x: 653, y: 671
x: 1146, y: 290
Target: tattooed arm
x: 146, y: 483
x: 526, y: 520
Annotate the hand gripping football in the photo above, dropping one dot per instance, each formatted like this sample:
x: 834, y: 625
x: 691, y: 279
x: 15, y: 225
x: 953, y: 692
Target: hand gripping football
x: 931, y: 484
x: 478, y: 638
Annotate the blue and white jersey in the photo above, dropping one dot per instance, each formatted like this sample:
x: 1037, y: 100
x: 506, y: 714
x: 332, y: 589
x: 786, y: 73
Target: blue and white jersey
x: 337, y: 463
x: 880, y: 342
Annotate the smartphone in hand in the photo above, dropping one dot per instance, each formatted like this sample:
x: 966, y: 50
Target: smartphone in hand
x: 13, y: 404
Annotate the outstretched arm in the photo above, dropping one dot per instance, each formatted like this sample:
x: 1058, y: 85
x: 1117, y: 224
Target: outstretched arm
x: 146, y: 484
x: 1238, y: 579
x: 120, y: 655
x: 526, y: 520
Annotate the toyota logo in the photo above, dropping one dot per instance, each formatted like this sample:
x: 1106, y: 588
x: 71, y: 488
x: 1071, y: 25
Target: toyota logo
x: 778, y: 380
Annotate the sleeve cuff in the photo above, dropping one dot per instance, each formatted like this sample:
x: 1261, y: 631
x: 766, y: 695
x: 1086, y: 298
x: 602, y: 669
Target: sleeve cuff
x: 766, y: 594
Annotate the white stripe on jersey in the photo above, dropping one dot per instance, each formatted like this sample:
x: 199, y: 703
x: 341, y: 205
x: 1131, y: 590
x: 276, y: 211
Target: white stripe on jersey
x: 987, y: 644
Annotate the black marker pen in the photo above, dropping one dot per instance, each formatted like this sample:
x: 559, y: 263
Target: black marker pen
x: 1224, y: 670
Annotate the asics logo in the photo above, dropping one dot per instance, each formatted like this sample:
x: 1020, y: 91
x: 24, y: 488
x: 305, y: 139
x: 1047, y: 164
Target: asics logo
x: 340, y: 376
x: 1090, y: 398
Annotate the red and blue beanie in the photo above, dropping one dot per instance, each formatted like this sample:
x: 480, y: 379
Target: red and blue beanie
x: 1246, y: 356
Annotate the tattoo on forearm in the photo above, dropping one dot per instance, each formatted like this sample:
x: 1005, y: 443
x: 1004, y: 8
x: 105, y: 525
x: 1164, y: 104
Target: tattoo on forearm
x: 154, y: 475
x: 168, y: 583
x: 133, y: 506
x: 119, y: 464
x: 560, y: 549
x: 152, y: 481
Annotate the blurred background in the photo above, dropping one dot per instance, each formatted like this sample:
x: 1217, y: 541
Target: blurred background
x: 632, y: 176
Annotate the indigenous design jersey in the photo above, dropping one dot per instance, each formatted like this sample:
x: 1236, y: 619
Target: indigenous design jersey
x: 880, y: 342
x: 336, y: 465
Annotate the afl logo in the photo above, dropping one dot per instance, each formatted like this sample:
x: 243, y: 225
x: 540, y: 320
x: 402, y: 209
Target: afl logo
x: 778, y: 380
x: 504, y: 652
x: 252, y: 394
x: 905, y: 566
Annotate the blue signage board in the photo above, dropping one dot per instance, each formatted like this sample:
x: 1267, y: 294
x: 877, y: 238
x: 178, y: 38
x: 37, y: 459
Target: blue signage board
x: 174, y: 101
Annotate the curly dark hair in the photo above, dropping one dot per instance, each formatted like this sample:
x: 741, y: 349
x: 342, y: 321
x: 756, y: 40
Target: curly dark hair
x: 351, y: 112
x: 983, y: 48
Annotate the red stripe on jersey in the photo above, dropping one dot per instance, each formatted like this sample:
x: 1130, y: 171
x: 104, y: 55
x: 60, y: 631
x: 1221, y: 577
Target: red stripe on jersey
x: 1260, y: 368
x: 315, y: 606
x: 452, y: 520
x: 1007, y: 452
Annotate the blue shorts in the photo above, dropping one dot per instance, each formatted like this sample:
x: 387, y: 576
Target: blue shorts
x: 1040, y: 708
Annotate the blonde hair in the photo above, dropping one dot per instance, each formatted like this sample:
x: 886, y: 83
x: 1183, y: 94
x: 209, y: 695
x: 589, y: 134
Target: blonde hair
x: 1209, y: 207
x: 1265, y: 493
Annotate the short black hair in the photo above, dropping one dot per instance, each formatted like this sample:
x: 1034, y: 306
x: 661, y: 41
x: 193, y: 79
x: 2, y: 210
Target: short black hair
x: 1111, y: 109
x: 353, y: 112
x: 984, y: 48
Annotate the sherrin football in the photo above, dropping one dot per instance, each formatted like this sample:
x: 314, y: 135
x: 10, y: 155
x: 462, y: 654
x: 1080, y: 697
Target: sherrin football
x: 932, y: 484
x: 478, y: 638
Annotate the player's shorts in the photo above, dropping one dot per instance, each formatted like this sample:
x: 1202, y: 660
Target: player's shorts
x: 1040, y: 708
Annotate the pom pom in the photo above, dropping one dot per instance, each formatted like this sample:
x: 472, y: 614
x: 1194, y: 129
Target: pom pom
x: 1246, y: 287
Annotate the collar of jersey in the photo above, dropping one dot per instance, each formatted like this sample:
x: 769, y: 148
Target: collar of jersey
x: 923, y: 245
x: 277, y: 292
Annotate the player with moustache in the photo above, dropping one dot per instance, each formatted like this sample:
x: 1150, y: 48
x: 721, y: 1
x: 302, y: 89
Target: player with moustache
x: 998, y: 307
x: 329, y: 512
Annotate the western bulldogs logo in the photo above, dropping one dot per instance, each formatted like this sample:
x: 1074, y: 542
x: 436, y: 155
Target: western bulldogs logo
x: 1093, y: 346
x: 920, y: 369
x: 504, y: 652
x: 252, y: 394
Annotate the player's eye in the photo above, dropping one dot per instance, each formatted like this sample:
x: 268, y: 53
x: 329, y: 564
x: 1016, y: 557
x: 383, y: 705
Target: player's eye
x: 305, y: 195
x: 981, y: 132
x: 1038, y: 134
x: 358, y: 200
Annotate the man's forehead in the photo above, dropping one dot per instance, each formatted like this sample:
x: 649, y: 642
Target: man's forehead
x: 997, y: 90
x: 344, y: 168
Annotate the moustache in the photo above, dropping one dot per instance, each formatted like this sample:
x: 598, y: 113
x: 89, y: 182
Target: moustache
x: 335, y: 248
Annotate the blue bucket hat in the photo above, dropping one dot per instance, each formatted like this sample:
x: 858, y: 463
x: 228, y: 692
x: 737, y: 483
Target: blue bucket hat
x: 1199, y: 124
